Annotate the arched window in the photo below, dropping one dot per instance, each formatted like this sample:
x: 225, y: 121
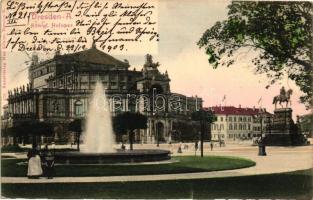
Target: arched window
x: 78, y: 108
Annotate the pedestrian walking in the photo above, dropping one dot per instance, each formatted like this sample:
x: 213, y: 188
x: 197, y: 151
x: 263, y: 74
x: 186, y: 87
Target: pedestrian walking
x: 211, y: 146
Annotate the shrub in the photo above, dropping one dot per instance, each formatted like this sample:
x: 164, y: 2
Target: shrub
x: 11, y: 148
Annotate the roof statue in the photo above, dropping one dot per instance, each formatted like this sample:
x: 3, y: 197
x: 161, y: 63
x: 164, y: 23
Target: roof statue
x: 149, y: 59
x: 57, y: 52
x: 28, y: 87
x: 149, y: 62
x: 35, y: 59
x: 93, y: 44
x: 284, y: 96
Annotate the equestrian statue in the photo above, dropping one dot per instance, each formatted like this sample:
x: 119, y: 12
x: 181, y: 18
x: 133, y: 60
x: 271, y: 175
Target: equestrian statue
x: 283, y: 97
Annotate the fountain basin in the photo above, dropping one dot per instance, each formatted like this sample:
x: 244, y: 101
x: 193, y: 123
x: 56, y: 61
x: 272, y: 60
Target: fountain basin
x: 140, y: 155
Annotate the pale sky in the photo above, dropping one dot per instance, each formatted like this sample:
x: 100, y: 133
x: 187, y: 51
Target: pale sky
x: 181, y: 24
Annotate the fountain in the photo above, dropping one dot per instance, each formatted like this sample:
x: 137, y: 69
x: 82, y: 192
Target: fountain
x: 99, y: 139
x: 99, y: 136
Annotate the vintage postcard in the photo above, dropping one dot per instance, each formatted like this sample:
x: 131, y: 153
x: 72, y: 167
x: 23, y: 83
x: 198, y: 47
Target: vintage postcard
x: 138, y: 99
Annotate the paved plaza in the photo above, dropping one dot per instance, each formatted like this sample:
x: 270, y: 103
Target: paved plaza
x: 278, y: 160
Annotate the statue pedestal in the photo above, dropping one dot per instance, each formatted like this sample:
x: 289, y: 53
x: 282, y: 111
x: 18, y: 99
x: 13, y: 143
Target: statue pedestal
x: 282, y: 121
x: 283, y: 131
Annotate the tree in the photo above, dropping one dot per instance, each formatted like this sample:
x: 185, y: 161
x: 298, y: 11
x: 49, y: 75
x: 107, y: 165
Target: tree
x: 206, y: 118
x: 21, y: 130
x: 185, y: 131
x: 26, y: 129
x: 128, y: 122
x: 76, y: 126
x: 37, y: 129
x: 280, y: 31
x: 13, y: 132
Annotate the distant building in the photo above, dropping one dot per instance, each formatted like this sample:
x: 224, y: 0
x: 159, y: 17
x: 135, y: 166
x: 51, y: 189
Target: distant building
x: 238, y: 123
x: 59, y: 89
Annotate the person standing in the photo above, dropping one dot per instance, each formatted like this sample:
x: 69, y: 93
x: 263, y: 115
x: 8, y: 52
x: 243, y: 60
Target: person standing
x: 196, y: 147
x: 34, y: 165
x: 123, y: 147
x: 49, y: 165
x: 211, y: 146
x: 44, y: 152
x: 180, y: 148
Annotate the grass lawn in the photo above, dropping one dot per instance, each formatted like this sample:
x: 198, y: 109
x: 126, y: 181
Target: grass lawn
x: 294, y: 185
x: 186, y: 164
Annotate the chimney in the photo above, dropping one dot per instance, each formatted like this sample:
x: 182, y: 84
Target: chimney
x: 239, y: 105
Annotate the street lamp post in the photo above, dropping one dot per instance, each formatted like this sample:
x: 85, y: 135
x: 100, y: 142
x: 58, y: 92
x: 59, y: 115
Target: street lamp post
x: 202, y: 135
x: 269, y: 124
x: 219, y: 136
x: 158, y: 142
x: 156, y: 129
x: 261, y: 144
x: 261, y: 125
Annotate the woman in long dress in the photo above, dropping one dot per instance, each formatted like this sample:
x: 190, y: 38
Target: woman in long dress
x: 34, y: 166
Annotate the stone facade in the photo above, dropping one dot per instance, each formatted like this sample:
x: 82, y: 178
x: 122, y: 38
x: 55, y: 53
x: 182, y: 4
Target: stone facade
x: 59, y: 89
x: 234, y: 123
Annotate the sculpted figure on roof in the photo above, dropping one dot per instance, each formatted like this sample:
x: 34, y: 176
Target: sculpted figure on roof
x: 150, y: 63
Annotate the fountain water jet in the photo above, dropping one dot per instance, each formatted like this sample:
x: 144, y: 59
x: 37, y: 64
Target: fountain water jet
x: 99, y: 136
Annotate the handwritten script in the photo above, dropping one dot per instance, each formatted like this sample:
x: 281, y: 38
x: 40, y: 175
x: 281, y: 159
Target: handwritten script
x: 71, y: 26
